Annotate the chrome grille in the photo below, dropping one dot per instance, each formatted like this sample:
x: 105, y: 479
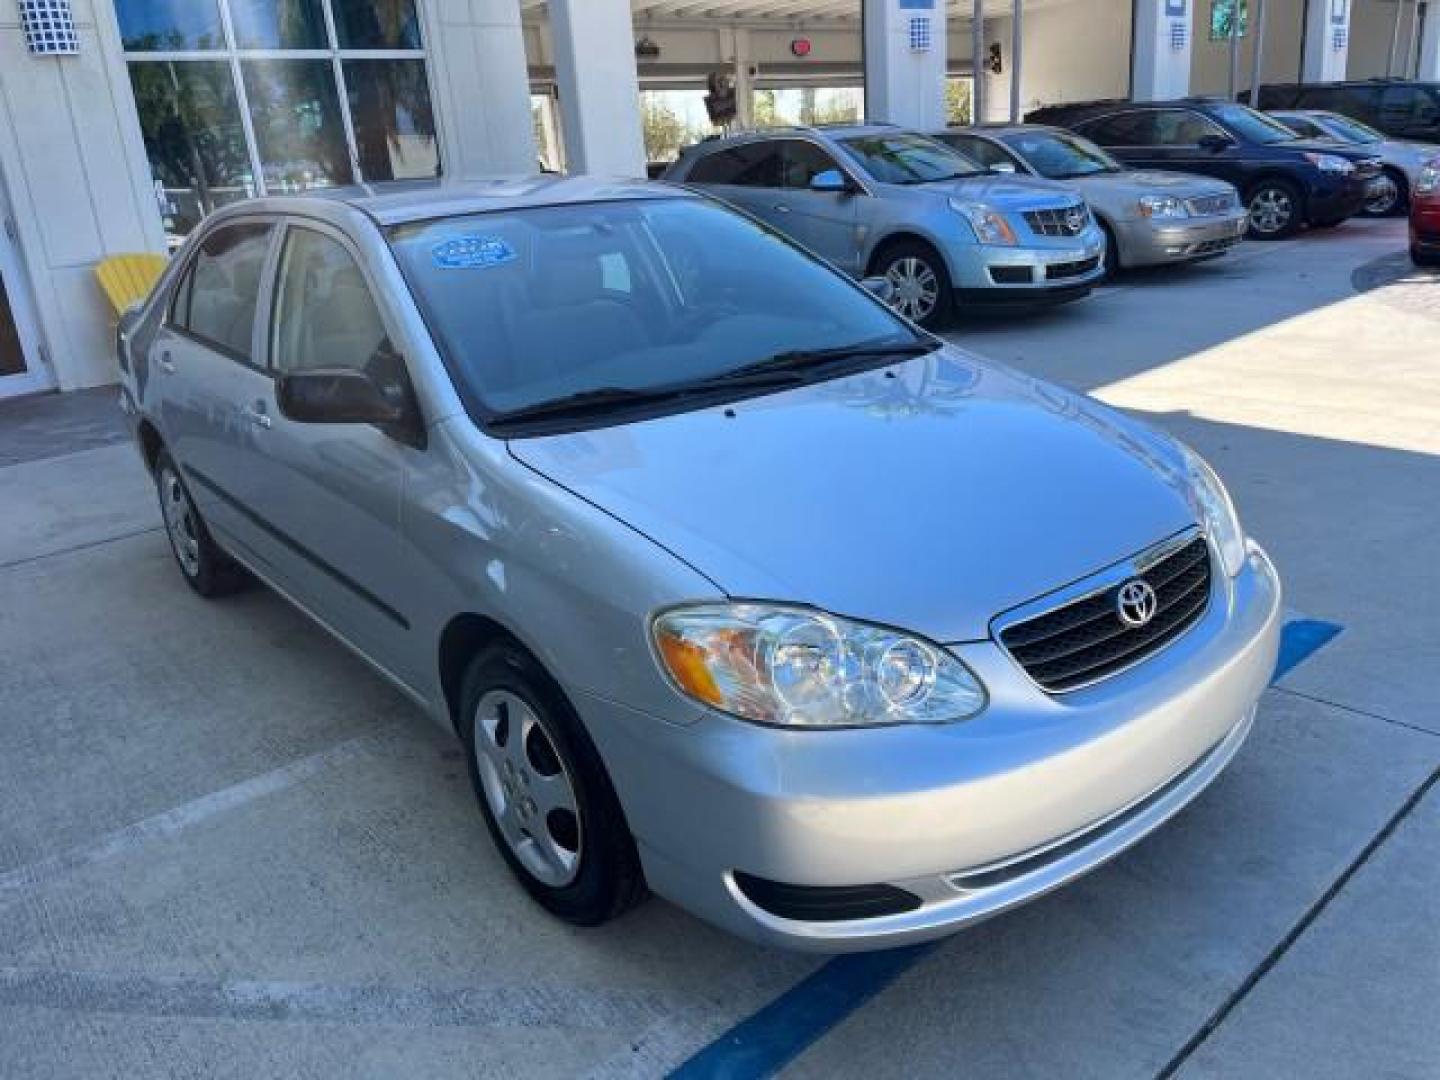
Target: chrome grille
x: 1065, y: 221
x: 1084, y: 640
x: 1203, y: 205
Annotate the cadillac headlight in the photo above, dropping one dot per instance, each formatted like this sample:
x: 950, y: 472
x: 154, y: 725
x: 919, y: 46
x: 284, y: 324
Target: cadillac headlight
x: 1162, y: 206
x: 1330, y: 163
x: 1217, y: 512
x: 989, y: 224
x: 797, y: 667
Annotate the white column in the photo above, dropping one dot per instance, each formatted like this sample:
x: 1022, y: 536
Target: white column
x: 1327, y: 40
x: 477, y: 64
x: 599, y: 90
x: 1430, y: 44
x: 905, y: 70
x: 1163, y: 29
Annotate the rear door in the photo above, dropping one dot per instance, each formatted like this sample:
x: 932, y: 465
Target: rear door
x: 750, y: 175
x: 206, y: 376
x: 824, y: 221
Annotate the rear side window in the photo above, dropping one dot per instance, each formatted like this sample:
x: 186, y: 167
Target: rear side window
x: 216, y: 300
x: 1304, y: 127
x: 1123, y: 129
x: 756, y: 164
x: 325, y: 317
x: 982, y: 150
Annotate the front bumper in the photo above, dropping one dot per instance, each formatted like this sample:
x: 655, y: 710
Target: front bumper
x: 1151, y: 241
x: 971, y: 818
x: 1029, y: 273
x: 1335, y: 198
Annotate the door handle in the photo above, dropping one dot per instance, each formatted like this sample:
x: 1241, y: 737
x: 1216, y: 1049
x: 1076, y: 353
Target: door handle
x: 166, y: 364
x: 782, y: 208
x: 258, y: 417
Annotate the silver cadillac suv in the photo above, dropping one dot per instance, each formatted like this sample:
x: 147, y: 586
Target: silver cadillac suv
x: 877, y: 200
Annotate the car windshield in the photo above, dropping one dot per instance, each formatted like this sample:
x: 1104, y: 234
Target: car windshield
x: 902, y: 158
x: 1061, y: 157
x: 612, y: 302
x: 1350, y: 130
x: 1252, y: 126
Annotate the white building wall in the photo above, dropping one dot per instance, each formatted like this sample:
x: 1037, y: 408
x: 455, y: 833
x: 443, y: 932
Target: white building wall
x: 74, y: 166
x: 1371, y: 22
x: 1076, y: 50
x: 1210, y: 60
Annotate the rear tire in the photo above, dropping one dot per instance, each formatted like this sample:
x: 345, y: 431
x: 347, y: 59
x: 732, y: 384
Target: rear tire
x: 544, y: 792
x: 1110, y: 261
x: 923, y: 293
x: 1275, y: 210
x: 203, y: 565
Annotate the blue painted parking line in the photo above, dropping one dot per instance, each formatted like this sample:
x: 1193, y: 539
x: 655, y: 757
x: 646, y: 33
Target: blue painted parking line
x: 766, y: 1041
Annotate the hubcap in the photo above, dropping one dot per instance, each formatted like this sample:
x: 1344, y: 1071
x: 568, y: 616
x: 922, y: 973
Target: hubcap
x: 1384, y: 199
x: 1270, y: 210
x: 917, y: 288
x: 180, y: 522
x: 527, y: 788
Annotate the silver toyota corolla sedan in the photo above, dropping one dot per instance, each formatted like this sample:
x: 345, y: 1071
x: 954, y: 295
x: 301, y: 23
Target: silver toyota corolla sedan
x: 1401, y: 161
x: 1149, y: 216
x: 735, y: 585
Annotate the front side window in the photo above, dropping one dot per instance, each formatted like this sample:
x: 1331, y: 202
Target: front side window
x: 540, y: 305
x: 1061, y: 157
x: 238, y: 98
x: 982, y: 150
x: 903, y: 158
x: 1179, y: 127
x: 217, y: 300
x: 804, y: 161
x: 325, y: 317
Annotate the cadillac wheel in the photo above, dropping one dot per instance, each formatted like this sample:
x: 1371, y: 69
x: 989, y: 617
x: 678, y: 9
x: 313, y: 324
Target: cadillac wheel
x: 922, y: 291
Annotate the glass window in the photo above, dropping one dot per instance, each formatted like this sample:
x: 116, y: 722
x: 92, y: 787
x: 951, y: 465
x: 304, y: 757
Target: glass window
x: 169, y: 25
x: 756, y: 164
x: 531, y: 305
x: 1122, y: 129
x: 193, y: 138
x: 1250, y: 125
x: 803, y: 162
x: 788, y: 105
x: 325, y: 317
x: 1223, y: 19
x: 1303, y: 126
x: 376, y: 24
x: 908, y: 159
x: 984, y: 151
x: 278, y: 24
x: 296, y: 115
x: 394, y: 127
x: 672, y: 120
x: 1178, y: 127
x: 1059, y: 156
x: 1350, y: 130
x: 224, y: 283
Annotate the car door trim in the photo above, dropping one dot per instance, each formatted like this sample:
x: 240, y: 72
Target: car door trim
x: 278, y: 534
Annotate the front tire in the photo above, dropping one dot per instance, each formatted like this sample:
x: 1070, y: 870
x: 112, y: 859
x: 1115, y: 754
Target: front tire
x: 1110, y: 261
x: 205, y: 568
x: 1275, y: 210
x: 544, y: 792
x: 1426, y: 259
x: 917, y: 273
x: 1390, y: 201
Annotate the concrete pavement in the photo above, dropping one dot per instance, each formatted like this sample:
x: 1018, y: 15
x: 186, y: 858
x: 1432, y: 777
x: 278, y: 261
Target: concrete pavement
x: 228, y: 849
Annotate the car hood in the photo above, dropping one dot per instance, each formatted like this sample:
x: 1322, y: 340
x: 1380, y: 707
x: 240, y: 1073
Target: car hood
x: 1119, y: 193
x: 932, y: 495
x: 1007, y: 192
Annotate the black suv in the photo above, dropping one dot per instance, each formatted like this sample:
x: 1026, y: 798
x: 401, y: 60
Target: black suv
x: 1286, y: 182
x: 1401, y: 108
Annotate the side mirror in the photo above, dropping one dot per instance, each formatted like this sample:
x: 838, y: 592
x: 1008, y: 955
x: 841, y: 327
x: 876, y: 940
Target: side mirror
x: 1004, y: 167
x: 831, y: 180
x: 879, y: 287
x: 338, y: 396
x: 1215, y: 143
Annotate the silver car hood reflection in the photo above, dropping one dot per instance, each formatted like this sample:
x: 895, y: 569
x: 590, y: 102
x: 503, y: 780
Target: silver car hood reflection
x: 931, y: 495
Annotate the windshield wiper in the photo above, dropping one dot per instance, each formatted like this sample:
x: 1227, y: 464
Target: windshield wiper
x: 793, y: 363
x: 587, y: 402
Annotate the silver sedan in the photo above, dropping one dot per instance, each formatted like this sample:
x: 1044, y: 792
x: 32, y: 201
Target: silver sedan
x: 1401, y: 161
x: 1149, y: 216
x: 734, y: 584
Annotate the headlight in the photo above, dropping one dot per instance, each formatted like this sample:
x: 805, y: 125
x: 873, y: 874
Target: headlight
x: 1429, y: 179
x: 989, y: 224
x: 1162, y: 206
x: 1330, y: 163
x: 1217, y: 512
x: 796, y: 667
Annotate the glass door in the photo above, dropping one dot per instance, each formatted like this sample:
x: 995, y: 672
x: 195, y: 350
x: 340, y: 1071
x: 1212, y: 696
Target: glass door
x: 21, y: 368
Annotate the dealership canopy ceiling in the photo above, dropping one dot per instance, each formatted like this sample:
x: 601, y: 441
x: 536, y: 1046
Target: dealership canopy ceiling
x: 778, y: 11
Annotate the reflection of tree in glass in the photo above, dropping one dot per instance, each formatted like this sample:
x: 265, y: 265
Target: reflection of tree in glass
x: 296, y: 116
x: 394, y: 126
x: 957, y: 101
x: 191, y: 127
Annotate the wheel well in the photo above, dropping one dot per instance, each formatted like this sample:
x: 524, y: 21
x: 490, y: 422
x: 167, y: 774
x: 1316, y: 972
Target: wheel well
x: 1402, y: 182
x: 464, y: 636
x: 896, y: 240
x: 150, y: 443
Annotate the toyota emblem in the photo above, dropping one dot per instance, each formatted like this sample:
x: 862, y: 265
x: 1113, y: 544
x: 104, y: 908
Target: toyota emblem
x: 1136, y: 603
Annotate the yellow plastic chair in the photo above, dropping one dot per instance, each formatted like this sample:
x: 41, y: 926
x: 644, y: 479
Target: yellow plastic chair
x: 128, y: 279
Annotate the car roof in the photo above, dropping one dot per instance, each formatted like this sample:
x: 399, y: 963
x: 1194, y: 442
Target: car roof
x: 417, y: 200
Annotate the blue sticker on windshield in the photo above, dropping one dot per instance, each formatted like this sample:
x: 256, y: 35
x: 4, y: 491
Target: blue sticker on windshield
x: 472, y: 253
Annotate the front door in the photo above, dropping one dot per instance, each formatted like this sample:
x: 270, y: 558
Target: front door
x: 21, y: 368
x: 824, y: 221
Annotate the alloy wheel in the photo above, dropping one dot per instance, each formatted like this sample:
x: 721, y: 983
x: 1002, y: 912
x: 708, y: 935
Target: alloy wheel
x: 1271, y: 210
x: 527, y: 788
x: 1384, y: 200
x: 181, y: 523
x: 917, y: 288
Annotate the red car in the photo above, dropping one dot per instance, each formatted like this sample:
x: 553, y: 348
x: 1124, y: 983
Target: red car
x: 1425, y: 217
